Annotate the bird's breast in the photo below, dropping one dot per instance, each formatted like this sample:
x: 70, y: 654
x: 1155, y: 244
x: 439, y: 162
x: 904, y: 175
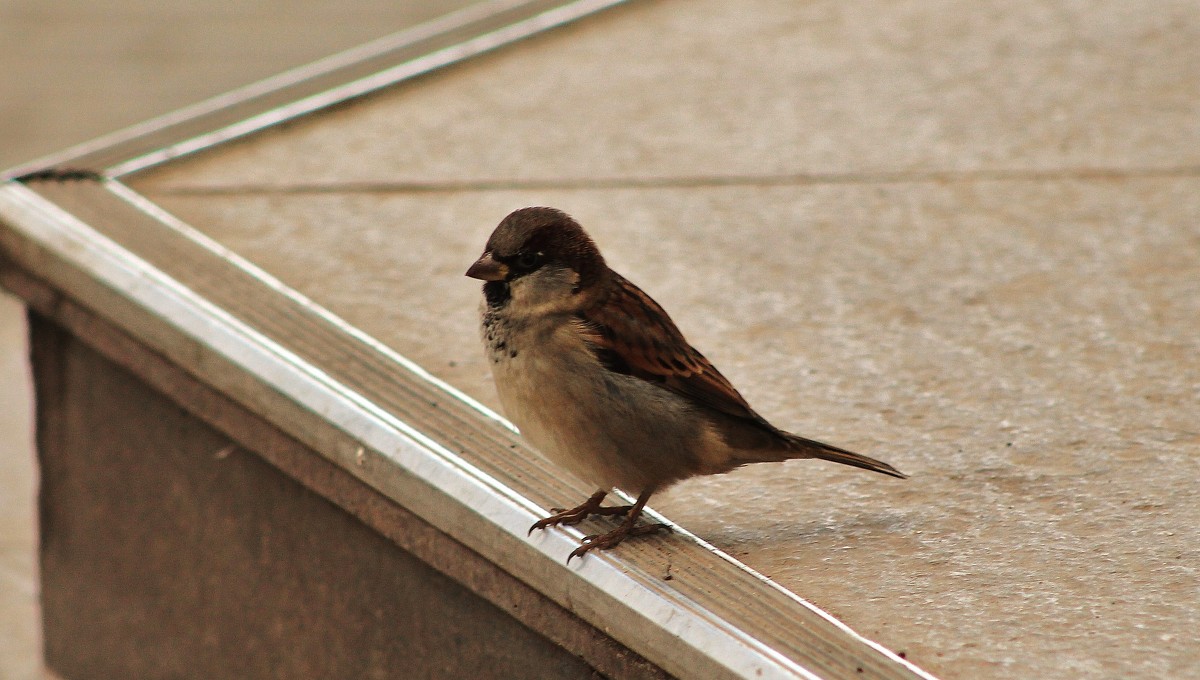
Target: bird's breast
x: 606, y: 428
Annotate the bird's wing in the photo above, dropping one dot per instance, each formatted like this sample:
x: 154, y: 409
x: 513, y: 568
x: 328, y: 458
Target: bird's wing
x: 631, y: 334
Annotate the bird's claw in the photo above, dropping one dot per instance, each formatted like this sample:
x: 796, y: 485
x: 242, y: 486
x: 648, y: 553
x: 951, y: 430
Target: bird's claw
x: 577, y: 515
x: 614, y: 538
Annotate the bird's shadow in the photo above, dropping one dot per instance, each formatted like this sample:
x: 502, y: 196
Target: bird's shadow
x: 773, y: 533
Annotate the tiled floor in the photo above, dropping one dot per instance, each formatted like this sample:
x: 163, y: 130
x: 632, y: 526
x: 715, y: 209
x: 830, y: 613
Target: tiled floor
x: 72, y: 70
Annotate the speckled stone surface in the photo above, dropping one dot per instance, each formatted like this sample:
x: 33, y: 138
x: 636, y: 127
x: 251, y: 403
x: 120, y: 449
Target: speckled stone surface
x: 962, y: 239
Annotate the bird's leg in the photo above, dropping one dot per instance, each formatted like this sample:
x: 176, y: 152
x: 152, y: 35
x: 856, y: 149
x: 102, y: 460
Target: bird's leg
x: 625, y: 530
x: 579, y: 513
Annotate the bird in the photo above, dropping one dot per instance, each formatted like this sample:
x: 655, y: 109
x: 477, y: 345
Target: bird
x: 600, y: 381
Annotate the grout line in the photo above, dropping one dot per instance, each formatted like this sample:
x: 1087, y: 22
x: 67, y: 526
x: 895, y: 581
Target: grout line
x: 683, y: 182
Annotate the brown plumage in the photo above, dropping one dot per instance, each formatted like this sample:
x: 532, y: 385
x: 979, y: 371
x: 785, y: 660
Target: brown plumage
x: 598, y: 377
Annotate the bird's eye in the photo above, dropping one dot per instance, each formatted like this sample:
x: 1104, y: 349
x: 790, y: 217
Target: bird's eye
x: 528, y: 261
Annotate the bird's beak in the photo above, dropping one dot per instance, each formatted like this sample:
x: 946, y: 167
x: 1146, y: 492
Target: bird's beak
x: 486, y: 268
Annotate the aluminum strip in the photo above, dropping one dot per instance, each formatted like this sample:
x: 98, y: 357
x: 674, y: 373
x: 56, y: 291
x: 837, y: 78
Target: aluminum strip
x: 699, y: 632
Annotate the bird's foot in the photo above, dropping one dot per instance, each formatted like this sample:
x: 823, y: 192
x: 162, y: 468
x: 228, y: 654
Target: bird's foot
x: 614, y: 538
x: 577, y: 515
x: 581, y: 512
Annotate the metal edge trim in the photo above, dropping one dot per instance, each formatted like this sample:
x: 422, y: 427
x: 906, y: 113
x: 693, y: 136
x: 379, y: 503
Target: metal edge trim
x: 175, y: 224
x: 172, y: 222
x: 486, y: 42
x: 266, y: 440
x: 701, y: 631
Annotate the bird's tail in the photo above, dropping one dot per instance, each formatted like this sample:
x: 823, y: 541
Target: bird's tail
x: 800, y: 447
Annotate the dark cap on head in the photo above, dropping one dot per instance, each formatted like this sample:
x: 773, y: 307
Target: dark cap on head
x: 549, y: 234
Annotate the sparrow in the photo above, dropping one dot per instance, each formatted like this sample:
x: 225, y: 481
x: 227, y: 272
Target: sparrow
x: 600, y: 381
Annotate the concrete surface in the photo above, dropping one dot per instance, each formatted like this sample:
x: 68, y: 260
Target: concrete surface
x: 960, y: 238
x: 73, y: 70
